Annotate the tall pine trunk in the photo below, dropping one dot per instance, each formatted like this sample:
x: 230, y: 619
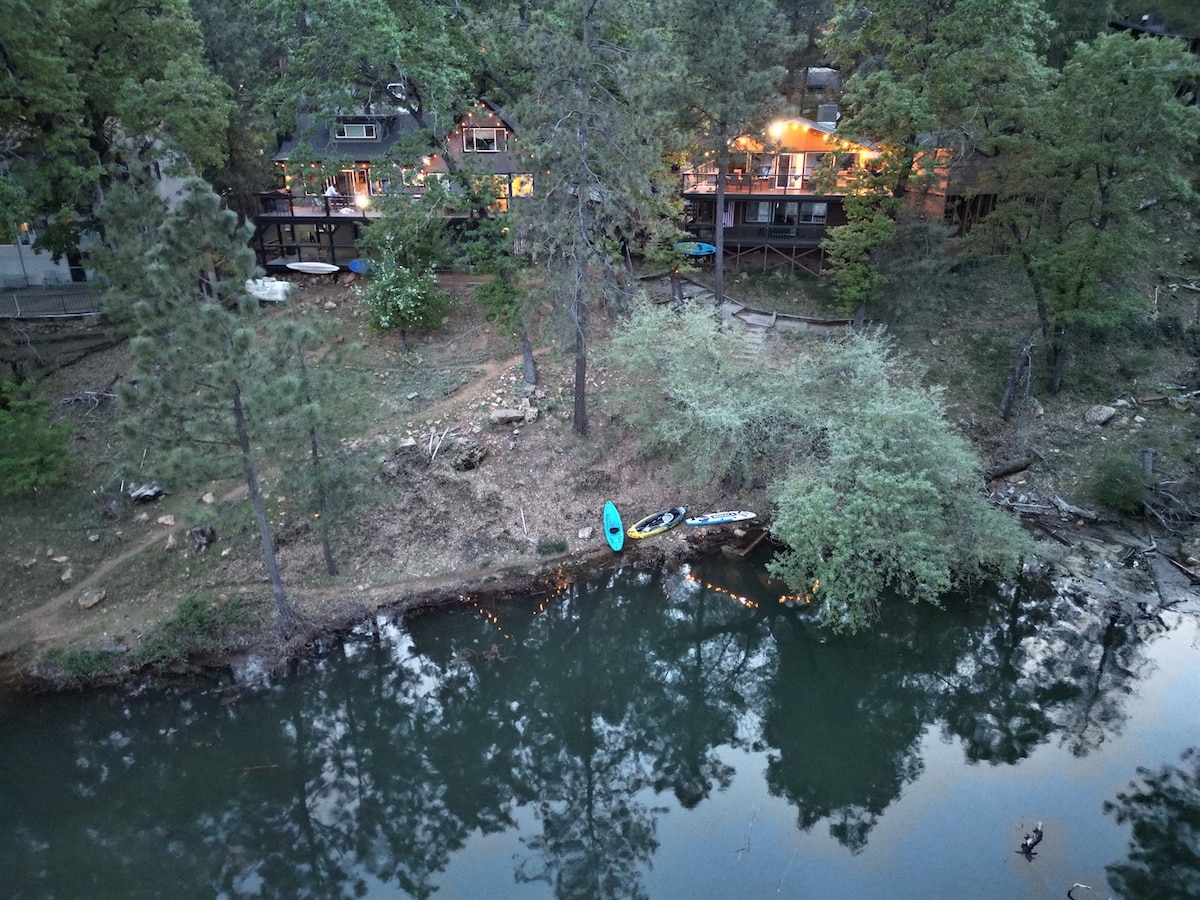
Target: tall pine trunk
x: 579, y: 420
x: 319, y: 477
x: 1058, y: 359
x: 285, y: 613
x: 719, y: 231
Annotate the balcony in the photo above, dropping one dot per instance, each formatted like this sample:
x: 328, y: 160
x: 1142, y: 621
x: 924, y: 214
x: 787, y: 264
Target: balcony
x: 744, y: 184
x: 281, y: 205
x: 765, y: 235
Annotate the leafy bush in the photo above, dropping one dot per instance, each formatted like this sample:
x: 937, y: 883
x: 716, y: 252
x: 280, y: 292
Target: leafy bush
x: 198, y: 626
x: 894, y: 506
x: 33, y: 449
x: 400, y: 298
x: 550, y: 546
x: 874, y: 491
x: 1119, y: 484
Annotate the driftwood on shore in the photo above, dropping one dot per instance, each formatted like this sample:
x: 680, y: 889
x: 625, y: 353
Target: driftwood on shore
x: 1019, y: 464
x: 1067, y: 510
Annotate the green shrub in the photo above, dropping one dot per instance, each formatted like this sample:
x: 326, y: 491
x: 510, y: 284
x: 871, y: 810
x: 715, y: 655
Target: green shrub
x: 198, y: 626
x: 76, y: 665
x: 550, y: 546
x: 33, y: 449
x: 1119, y: 484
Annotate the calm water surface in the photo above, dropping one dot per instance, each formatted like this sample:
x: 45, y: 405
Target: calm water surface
x: 638, y: 735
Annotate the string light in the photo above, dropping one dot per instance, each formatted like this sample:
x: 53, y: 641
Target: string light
x: 487, y: 614
x: 746, y: 601
x: 743, y: 600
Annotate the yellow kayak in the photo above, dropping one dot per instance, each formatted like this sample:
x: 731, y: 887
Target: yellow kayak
x: 658, y: 523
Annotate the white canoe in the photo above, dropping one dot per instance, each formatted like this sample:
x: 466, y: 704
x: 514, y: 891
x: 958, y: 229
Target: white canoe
x: 314, y: 268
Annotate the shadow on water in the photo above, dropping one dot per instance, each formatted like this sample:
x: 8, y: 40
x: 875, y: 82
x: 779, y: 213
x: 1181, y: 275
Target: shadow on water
x: 573, y: 728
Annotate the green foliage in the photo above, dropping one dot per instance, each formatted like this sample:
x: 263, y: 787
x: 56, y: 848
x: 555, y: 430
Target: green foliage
x: 98, y: 92
x: 33, y: 448
x: 405, y: 245
x: 197, y: 627
x: 1119, y: 484
x: 694, y: 396
x: 1079, y: 207
x: 874, y: 492
x: 958, y: 77
x: 78, y: 665
x: 894, y: 506
x: 851, y: 251
x: 400, y: 299
x: 551, y: 546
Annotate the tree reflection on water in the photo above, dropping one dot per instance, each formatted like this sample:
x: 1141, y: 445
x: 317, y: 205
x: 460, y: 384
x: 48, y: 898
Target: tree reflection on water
x: 1164, y: 849
x: 587, y: 713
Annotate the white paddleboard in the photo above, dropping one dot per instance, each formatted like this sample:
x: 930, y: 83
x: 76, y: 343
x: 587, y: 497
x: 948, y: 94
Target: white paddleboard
x: 314, y: 268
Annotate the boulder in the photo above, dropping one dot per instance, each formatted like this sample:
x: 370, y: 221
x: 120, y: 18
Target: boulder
x: 507, y: 416
x: 1099, y: 414
x: 91, y: 597
x: 465, y: 453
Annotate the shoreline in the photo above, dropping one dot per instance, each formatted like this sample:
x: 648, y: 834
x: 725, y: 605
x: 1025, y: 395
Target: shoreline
x: 266, y: 651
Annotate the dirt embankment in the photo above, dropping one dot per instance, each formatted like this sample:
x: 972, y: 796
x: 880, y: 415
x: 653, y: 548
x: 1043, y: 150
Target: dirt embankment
x: 477, y: 487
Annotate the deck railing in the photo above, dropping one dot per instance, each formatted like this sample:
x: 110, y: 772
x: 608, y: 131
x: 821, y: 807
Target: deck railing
x: 805, y: 235
x: 739, y: 183
x: 67, y: 301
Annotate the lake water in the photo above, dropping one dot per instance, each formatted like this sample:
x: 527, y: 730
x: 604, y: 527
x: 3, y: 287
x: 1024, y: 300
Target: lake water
x: 662, y: 735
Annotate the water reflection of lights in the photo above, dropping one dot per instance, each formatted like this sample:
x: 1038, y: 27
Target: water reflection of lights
x: 487, y: 614
x: 746, y: 601
x: 558, y: 586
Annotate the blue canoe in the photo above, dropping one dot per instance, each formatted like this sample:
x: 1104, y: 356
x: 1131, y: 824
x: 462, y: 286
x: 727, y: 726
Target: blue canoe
x: 614, y: 533
x: 695, y: 248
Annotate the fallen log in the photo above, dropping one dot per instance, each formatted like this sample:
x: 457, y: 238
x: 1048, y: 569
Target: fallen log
x: 762, y: 536
x: 1186, y: 570
x: 1054, y: 534
x: 1020, y: 464
x: 1066, y: 510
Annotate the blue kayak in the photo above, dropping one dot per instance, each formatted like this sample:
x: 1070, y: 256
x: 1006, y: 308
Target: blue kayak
x: 695, y: 248
x: 614, y: 533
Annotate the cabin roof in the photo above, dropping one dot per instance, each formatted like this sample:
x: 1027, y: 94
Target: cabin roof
x: 316, y: 132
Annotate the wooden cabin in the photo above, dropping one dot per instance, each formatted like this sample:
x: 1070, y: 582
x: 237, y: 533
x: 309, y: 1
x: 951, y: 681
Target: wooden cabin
x: 332, y: 177
x: 774, y: 213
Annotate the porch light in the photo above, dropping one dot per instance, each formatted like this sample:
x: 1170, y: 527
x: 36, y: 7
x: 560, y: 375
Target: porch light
x: 775, y: 129
x: 362, y: 201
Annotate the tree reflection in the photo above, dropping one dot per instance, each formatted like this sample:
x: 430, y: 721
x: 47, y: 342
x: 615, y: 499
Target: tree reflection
x: 844, y: 728
x: 1164, y: 847
x: 589, y: 712
x: 1043, y: 665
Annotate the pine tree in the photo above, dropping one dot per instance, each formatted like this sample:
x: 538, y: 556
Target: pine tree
x: 199, y: 360
x: 586, y: 123
x: 1078, y: 207
x: 728, y: 60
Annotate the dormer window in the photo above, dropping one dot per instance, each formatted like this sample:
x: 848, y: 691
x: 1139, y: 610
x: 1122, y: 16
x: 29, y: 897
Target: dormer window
x: 483, y: 140
x: 356, y: 131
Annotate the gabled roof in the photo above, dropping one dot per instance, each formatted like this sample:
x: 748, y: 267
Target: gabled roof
x: 325, y: 144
